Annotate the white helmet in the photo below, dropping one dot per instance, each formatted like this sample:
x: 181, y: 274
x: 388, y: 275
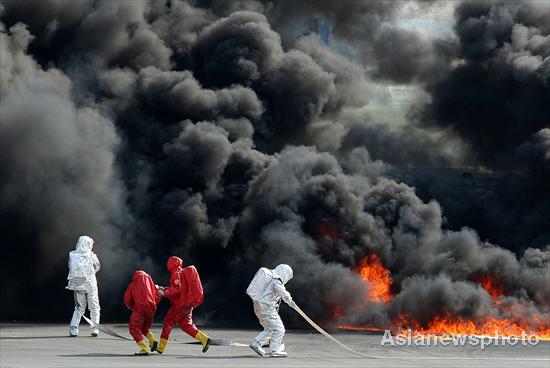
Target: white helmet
x: 84, y: 244
x: 284, y: 272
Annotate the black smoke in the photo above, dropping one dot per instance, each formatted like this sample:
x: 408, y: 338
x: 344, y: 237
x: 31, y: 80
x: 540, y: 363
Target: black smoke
x: 205, y: 129
x: 496, y: 101
x: 497, y: 98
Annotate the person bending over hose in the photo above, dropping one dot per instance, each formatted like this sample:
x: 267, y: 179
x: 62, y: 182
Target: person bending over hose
x: 266, y: 289
x: 185, y: 293
x: 142, y: 299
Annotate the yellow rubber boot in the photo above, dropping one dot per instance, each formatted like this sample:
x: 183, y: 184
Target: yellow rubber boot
x: 204, y: 339
x: 162, y: 345
x: 152, y: 341
x: 144, y: 349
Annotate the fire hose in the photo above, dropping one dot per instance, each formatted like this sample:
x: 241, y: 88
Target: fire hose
x: 213, y: 342
x: 326, y: 334
x: 223, y: 342
x: 104, y: 329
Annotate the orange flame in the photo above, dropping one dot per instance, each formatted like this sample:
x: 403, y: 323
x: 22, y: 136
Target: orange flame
x: 491, y: 285
x: 488, y: 326
x: 359, y: 328
x: 336, y: 312
x: 373, y: 272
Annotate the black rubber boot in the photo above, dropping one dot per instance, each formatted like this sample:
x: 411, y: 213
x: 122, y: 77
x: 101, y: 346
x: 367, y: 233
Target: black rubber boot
x: 206, y: 346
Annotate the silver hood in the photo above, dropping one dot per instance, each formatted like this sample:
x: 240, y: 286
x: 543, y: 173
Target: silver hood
x: 284, y: 272
x: 84, y: 244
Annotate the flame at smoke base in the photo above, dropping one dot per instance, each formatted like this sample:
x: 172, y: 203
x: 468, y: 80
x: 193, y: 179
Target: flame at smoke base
x: 491, y: 285
x: 378, y: 277
x: 488, y: 326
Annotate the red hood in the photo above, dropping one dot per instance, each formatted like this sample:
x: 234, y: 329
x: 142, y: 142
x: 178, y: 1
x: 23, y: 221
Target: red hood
x: 141, y: 294
x: 138, y: 274
x: 174, y: 263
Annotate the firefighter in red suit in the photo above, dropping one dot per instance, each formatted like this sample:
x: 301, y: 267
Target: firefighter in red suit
x: 185, y: 292
x: 142, y: 299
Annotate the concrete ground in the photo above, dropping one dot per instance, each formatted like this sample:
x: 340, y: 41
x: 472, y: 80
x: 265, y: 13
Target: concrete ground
x: 47, y: 345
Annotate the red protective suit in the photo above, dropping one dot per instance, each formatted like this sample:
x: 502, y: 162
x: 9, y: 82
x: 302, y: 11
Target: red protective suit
x: 179, y: 294
x: 141, y: 297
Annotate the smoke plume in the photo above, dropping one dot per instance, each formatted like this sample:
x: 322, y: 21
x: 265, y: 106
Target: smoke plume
x: 221, y: 132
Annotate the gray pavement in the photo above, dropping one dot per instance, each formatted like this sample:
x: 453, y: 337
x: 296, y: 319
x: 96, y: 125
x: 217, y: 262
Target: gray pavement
x: 46, y: 345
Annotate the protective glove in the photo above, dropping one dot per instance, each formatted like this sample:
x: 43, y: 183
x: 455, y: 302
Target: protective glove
x: 292, y: 304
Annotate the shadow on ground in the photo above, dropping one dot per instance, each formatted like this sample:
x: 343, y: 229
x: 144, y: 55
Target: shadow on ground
x: 98, y: 355
x: 33, y: 337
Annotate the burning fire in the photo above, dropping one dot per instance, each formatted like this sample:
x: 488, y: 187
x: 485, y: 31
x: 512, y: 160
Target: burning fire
x: 336, y: 312
x: 489, y: 326
x: 491, y: 285
x: 373, y: 272
x: 378, y: 277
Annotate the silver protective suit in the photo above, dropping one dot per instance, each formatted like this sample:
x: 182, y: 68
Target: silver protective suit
x: 83, y: 265
x: 266, y: 295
